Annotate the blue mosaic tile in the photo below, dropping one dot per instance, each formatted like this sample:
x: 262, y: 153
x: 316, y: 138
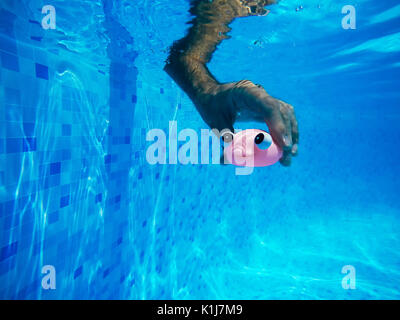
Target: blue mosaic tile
x: 29, y: 144
x: 8, y: 44
x: 118, y: 198
x: 53, y: 217
x: 99, y: 198
x: 55, y: 168
x: 66, y: 155
x: 35, y: 38
x: 78, y: 272
x: 8, y: 251
x: 12, y: 96
x: 64, y: 201
x: 107, y: 159
x: 14, y: 145
x: 29, y: 129
x: 9, y: 61
x: 7, y: 20
x: 66, y: 129
x: 106, y: 272
x: 42, y: 71
x: 35, y: 22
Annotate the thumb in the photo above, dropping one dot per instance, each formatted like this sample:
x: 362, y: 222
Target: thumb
x: 281, y: 136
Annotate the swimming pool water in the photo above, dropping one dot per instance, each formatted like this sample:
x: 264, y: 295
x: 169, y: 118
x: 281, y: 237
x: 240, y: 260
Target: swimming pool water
x: 77, y: 193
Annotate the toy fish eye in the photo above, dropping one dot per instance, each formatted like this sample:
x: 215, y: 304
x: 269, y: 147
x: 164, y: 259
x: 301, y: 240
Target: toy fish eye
x: 262, y: 141
x: 259, y: 138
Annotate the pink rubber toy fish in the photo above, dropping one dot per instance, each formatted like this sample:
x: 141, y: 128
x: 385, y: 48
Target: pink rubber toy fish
x: 252, y: 148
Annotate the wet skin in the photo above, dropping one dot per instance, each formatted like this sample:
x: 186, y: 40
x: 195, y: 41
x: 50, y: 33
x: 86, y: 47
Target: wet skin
x: 222, y: 104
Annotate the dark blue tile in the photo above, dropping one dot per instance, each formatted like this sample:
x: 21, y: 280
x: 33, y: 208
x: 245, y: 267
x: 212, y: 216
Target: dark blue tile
x: 9, y: 61
x: 134, y: 98
x: 55, y: 168
x: 42, y: 71
x: 35, y: 22
x: 36, y: 38
x: 8, y: 251
x: 7, y: 265
x: 106, y: 272
x: 1, y: 146
x: 99, y: 197
x: 78, y: 272
x: 122, y: 279
x: 29, y: 144
x: 7, y: 19
x: 107, y: 158
x: 64, y: 201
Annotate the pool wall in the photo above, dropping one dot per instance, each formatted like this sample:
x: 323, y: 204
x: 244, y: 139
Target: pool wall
x: 65, y: 152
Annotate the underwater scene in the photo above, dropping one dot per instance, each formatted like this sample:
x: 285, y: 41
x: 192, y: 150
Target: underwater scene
x: 110, y: 188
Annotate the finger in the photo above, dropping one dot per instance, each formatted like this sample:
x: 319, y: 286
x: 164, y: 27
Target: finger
x: 287, y: 149
x: 280, y: 130
x: 286, y: 156
x: 295, y: 150
x: 288, y: 128
x: 295, y: 133
x: 286, y: 160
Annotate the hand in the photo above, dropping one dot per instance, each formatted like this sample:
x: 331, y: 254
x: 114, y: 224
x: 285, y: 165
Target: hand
x: 244, y: 101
